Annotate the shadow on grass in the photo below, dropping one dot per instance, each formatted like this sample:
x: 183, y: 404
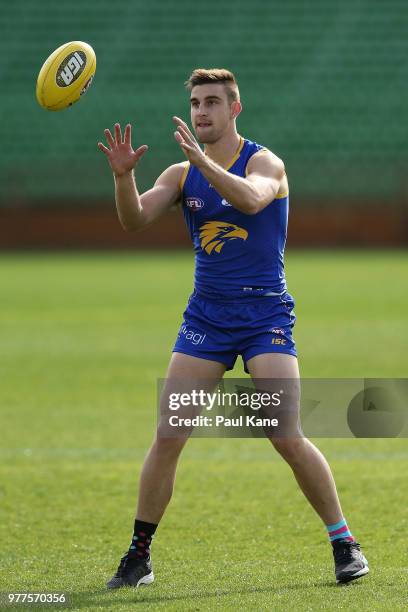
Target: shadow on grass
x: 97, y: 598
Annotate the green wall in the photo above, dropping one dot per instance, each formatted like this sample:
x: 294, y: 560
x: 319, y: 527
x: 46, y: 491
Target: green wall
x: 324, y: 84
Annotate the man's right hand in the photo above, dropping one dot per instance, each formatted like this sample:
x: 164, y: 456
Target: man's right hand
x: 121, y: 156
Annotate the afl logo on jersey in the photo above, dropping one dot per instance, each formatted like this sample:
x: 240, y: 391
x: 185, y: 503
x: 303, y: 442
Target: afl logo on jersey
x: 224, y: 202
x: 194, y: 204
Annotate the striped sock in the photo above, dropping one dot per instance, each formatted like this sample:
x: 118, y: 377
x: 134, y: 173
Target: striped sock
x: 339, y: 531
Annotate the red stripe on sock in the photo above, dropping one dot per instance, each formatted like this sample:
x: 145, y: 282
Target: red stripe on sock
x: 337, y: 531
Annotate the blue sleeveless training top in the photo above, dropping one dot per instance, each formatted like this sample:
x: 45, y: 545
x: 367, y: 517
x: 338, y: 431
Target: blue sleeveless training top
x: 235, y: 254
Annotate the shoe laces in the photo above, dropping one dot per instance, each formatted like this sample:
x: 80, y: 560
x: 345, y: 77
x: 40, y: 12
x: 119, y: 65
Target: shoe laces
x: 345, y: 552
x: 125, y: 561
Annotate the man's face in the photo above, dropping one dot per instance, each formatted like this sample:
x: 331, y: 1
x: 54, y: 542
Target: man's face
x: 211, y: 111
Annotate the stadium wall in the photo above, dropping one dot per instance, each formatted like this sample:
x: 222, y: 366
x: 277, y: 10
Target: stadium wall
x: 94, y: 228
x: 323, y: 85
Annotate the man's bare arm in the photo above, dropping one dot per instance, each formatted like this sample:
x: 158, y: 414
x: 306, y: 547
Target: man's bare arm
x: 250, y: 194
x: 135, y: 211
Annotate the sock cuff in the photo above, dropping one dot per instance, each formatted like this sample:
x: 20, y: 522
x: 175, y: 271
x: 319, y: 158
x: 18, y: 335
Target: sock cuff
x: 338, y: 525
x: 339, y: 531
x: 147, y: 528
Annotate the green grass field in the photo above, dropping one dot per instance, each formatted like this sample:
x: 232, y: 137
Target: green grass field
x: 84, y: 338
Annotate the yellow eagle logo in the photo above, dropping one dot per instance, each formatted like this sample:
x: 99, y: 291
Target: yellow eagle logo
x: 214, y: 234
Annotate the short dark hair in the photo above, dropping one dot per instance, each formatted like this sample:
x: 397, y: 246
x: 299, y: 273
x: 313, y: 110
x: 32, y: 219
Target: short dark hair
x: 202, y: 76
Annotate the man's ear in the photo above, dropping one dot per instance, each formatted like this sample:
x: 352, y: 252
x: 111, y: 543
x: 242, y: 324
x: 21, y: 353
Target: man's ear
x: 236, y: 108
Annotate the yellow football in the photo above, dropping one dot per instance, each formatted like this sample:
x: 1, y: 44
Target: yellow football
x: 66, y: 75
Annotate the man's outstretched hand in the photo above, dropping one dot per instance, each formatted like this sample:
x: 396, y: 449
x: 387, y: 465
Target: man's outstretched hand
x: 188, y: 143
x: 121, y: 156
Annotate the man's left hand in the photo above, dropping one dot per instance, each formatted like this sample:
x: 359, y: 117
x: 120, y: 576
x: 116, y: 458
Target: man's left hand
x: 188, y: 143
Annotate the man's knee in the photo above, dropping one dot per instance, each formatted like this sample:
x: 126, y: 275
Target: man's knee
x: 168, y: 447
x: 290, y: 448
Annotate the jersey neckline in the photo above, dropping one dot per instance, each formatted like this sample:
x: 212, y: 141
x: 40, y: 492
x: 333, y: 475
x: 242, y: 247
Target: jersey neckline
x: 236, y: 155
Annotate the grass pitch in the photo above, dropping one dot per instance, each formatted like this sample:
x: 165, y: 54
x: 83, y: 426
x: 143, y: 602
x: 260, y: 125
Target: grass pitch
x: 84, y: 338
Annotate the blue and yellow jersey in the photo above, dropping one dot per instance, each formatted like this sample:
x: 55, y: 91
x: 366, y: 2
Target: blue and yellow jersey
x: 235, y: 254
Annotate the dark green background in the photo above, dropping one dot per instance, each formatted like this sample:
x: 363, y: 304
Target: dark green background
x: 323, y: 83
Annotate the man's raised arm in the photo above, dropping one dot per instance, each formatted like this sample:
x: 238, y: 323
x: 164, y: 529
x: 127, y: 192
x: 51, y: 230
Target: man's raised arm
x: 136, y: 211
x: 248, y: 195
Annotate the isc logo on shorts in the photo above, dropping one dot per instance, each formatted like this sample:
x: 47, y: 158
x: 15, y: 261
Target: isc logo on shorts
x: 194, y: 204
x: 281, y: 341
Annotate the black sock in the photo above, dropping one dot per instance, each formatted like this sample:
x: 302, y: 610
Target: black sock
x: 142, y: 538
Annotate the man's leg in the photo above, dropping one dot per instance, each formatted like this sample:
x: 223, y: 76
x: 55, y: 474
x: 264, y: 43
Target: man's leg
x: 185, y: 373
x: 159, y: 468
x: 311, y: 470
